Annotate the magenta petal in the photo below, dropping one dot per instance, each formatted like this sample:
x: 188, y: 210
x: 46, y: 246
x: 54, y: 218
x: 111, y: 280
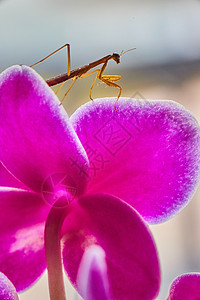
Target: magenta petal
x: 92, y: 278
x: 131, y: 256
x: 145, y: 152
x: 7, y: 289
x: 36, y: 138
x: 185, y: 287
x: 22, y: 218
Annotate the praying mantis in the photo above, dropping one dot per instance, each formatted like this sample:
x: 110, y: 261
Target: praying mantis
x: 82, y: 72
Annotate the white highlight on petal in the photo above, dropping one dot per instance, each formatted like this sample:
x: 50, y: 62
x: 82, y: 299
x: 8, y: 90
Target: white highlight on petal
x: 10, y: 189
x: 29, y: 239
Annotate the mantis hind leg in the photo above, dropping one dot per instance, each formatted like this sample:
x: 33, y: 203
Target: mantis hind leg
x: 68, y: 57
x: 68, y: 69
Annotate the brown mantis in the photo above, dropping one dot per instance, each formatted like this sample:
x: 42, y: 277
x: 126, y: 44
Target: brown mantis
x: 83, y: 72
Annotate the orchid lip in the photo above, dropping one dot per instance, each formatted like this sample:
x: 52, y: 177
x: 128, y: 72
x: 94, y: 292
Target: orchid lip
x: 92, y: 278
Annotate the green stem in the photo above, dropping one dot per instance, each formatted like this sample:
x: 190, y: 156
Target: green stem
x: 53, y: 227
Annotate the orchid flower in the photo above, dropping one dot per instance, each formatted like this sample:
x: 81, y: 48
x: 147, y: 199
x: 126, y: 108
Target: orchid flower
x: 185, y: 287
x: 83, y: 181
x: 7, y: 289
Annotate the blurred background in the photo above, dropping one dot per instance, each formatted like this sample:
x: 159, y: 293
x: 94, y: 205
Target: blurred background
x: 165, y: 65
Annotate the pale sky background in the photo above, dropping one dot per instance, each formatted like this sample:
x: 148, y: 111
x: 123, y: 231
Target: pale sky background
x: 165, y: 65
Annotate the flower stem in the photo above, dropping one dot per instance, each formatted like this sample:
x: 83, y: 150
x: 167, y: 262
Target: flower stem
x: 53, y: 227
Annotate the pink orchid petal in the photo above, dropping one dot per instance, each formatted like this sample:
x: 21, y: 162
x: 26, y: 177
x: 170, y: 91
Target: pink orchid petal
x: 92, y: 278
x: 145, y: 152
x: 7, y: 179
x: 22, y: 218
x: 131, y: 256
x: 7, y: 289
x: 185, y: 287
x: 37, y: 140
